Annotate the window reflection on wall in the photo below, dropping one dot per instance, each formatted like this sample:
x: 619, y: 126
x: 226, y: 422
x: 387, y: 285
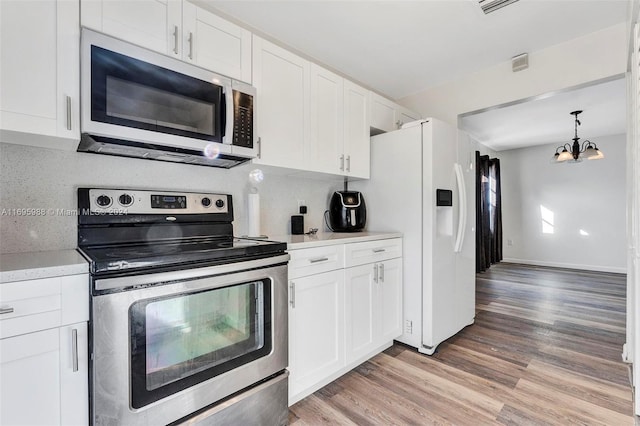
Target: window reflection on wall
x: 547, y: 220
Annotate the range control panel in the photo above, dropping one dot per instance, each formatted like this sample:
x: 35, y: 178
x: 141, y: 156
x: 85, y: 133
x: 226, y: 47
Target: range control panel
x: 155, y: 202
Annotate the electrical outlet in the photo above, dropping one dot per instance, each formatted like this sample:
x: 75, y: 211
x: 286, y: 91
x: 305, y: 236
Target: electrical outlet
x: 408, y: 327
x: 509, y: 242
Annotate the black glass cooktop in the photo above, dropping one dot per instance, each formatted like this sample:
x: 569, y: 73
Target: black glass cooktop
x: 130, y: 257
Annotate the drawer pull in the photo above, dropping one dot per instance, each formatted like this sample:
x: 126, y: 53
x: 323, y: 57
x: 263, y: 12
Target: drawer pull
x: 6, y: 310
x: 319, y: 259
x: 292, y: 289
x: 379, y: 250
x: 74, y: 349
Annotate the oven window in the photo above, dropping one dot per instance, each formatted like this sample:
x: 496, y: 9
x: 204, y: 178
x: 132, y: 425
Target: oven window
x: 182, y: 340
x: 132, y: 93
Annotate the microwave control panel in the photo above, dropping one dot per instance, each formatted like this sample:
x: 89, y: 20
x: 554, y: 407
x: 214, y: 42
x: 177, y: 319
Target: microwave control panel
x: 242, y: 119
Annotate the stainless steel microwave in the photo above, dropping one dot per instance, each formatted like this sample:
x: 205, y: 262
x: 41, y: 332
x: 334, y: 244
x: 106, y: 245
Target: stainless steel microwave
x: 140, y: 103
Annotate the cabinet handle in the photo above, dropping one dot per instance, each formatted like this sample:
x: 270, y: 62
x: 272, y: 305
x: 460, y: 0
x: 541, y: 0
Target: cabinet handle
x: 320, y: 259
x: 399, y: 124
x: 68, y: 112
x: 381, y: 266
x: 74, y: 349
x: 8, y: 310
x: 379, y: 250
x: 175, y: 39
x: 190, y: 45
x: 259, y: 147
x: 342, y: 162
x: 348, y: 163
x: 375, y: 273
x: 292, y: 289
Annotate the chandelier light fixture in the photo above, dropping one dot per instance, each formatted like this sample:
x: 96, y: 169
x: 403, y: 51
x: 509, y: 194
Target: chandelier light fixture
x: 575, y: 153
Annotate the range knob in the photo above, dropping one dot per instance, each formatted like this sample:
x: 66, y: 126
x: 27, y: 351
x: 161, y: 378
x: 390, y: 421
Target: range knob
x: 103, y: 201
x: 219, y: 203
x: 125, y: 200
x: 206, y: 201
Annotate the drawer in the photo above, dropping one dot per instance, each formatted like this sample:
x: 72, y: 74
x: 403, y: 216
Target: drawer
x: 372, y: 251
x: 315, y: 260
x: 29, y: 306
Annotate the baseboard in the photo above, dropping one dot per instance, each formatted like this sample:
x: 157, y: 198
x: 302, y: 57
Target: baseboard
x: 596, y: 268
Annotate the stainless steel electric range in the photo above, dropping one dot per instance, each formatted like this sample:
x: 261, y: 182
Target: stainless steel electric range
x: 188, y: 323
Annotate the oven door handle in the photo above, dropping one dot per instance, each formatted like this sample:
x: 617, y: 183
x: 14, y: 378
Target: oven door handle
x: 187, y: 274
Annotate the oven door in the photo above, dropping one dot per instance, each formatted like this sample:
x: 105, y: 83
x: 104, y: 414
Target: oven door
x: 161, y: 352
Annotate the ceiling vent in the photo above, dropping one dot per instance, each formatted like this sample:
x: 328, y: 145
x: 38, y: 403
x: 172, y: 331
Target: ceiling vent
x: 520, y: 62
x: 489, y: 6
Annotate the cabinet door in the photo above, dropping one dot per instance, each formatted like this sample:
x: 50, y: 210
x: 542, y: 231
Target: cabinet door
x: 74, y: 375
x: 360, y: 306
x: 356, y: 131
x: 30, y: 385
x: 216, y: 44
x: 316, y: 329
x: 324, y: 151
x: 390, y: 296
x: 282, y: 81
x: 154, y: 24
x: 382, y: 113
x: 39, y: 72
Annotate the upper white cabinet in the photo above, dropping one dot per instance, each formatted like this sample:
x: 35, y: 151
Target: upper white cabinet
x: 387, y: 116
x: 216, y: 44
x: 325, y: 150
x: 39, y: 73
x: 154, y: 24
x: 283, y: 85
x: 176, y: 28
x: 357, y: 149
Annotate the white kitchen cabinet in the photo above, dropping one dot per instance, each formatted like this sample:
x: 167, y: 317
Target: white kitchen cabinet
x: 282, y: 80
x: 44, y: 351
x: 216, y: 44
x: 356, y: 131
x: 387, y: 116
x: 176, y: 28
x: 373, y: 296
x: 39, y: 73
x: 154, y: 24
x: 316, y: 329
x: 324, y: 151
x: 383, y: 113
x: 338, y: 317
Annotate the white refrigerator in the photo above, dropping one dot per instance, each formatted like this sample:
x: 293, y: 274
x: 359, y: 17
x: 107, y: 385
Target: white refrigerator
x: 408, y: 167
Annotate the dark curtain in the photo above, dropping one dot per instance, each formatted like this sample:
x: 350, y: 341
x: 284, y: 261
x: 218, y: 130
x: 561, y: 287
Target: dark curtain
x: 488, y: 212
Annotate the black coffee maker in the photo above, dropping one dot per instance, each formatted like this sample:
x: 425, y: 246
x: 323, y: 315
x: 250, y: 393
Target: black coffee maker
x: 347, y: 211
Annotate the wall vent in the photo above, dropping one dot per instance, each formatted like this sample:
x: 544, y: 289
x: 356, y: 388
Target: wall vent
x: 489, y: 6
x: 520, y: 62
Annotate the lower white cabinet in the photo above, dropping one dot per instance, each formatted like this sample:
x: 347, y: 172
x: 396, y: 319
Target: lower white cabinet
x: 340, y: 317
x: 373, y: 299
x: 45, y: 377
x: 316, y: 329
x: 44, y: 351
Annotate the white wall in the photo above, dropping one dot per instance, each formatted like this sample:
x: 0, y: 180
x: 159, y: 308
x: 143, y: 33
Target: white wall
x: 48, y: 179
x: 588, y: 196
x: 589, y: 58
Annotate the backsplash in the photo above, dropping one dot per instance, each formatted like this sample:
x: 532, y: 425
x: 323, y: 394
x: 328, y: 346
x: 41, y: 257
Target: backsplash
x: 46, y: 181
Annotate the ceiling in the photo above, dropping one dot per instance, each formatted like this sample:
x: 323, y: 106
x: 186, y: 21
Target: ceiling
x: 399, y: 48
x: 548, y: 120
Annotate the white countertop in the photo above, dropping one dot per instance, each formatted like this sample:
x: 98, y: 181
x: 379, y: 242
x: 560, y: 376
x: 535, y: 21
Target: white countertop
x: 329, y: 238
x: 41, y: 264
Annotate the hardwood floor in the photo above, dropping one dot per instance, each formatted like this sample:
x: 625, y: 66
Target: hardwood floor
x: 545, y: 349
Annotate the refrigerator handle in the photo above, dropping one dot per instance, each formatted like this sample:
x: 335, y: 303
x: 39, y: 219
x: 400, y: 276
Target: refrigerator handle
x: 462, y: 208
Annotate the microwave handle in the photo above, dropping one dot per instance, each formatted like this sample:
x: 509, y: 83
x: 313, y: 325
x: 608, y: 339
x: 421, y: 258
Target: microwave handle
x: 227, y: 115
